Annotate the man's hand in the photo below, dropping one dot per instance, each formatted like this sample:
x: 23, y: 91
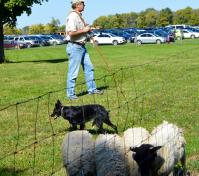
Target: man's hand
x: 86, y: 29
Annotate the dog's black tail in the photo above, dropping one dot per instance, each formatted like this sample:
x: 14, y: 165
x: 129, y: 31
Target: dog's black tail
x: 108, y: 122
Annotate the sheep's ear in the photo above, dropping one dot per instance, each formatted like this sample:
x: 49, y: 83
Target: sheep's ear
x: 154, y: 149
x: 133, y: 149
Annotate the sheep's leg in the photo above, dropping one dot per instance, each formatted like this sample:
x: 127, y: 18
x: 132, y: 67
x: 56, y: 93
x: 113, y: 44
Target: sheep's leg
x: 183, y: 163
x: 74, y: 126
x: 171, y: 174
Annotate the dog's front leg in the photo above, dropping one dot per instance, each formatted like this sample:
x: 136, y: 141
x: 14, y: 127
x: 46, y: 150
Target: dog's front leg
x: 102, y: 131
x: 82, y: 126
x: 74, y: 126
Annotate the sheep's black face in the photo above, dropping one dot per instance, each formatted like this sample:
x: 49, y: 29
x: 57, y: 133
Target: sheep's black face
x: 57, y: 110
x: 145, y: 155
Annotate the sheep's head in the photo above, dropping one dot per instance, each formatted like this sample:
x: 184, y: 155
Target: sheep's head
x: 145, y: 155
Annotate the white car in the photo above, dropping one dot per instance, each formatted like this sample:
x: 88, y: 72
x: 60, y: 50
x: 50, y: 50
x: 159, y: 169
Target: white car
x: 54, y: 40
x: 149, y: 38
x: 107, y: 38
x: 190, y: 34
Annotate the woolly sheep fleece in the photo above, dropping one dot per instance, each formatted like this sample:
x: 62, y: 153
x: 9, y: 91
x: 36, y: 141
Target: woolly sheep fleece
x: 134, y: 137
x: 170, y: 137
x: 78, y: 153
x: 109, y: 155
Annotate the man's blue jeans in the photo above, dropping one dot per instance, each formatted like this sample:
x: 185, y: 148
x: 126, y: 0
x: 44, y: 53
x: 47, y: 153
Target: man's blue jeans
x: 78, y: 56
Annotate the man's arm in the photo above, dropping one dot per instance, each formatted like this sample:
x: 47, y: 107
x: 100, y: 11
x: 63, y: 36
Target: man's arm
x: 78, y: 32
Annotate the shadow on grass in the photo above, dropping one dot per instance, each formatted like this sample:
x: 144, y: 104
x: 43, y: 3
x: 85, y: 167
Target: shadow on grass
x: 96, y: 132
x: 11, y: 171
x: 85, y: 92
x: 40, y: 61
x: 93, y: 131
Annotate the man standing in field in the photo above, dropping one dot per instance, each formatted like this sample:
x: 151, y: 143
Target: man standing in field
x: 76, y: 30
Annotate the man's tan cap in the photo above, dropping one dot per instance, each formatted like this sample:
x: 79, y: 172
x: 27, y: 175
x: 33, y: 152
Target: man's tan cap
x: 77, y: 1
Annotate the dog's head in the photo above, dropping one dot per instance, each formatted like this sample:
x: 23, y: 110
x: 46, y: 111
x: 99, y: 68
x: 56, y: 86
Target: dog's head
x: 57, y: 110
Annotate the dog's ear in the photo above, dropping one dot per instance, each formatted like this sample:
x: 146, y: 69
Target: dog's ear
x: 59, y: 102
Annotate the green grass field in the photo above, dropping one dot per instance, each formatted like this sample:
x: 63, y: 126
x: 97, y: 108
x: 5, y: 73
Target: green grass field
x: 150, y: 83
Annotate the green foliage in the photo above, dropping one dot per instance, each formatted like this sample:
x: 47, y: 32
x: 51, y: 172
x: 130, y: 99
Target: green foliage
x: 149, y: 18
x: 165, y: 17
x: 52, y: 27
x: 9, y: 10
x: 101, y: 21
x: 183, y: 16
x: 194, y: 17
x: 141, y: 21
x: 36, y: 29
x: 49, y: 28
x: 25, y: 30
x: 61, y: 28
x: 10, y: 30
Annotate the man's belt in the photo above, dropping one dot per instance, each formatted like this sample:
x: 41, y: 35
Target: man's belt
x: 78, y: 43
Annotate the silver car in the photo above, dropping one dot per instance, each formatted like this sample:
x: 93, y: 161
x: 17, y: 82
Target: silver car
x: 149, y: 38
x: 27, y: 41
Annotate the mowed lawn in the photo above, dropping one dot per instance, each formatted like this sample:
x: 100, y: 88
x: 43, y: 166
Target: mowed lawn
x: 143, y: 85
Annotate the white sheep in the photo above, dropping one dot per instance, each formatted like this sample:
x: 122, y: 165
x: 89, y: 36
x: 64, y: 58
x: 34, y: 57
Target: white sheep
x: 170, y: 137
x: 78, y: 153
x: 134, y: 137
x: 109, y: 156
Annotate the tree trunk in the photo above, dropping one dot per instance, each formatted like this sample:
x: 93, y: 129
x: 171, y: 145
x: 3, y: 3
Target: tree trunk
x: 2, y: 55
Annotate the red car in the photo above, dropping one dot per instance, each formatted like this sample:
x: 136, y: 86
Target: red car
x: 8, y: 44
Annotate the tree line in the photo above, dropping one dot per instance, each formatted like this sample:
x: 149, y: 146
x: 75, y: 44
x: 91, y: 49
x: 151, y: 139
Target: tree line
x: 49, y: 28
x: 149, y: 18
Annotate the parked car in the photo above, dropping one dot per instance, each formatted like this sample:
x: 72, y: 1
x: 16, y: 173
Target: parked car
x: 162, y: 33
x: 128, y: 37
x: 194, y: 29
x: 107, y: 38
x: 169, y: 36
x: 10, y: 43
x: 30, y: 42
x: 188, y: 33
x: 149, y: 38
x: 177, y: 26
x: 42, y: 42
x: 55, y: 40
x: 9, y: 37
